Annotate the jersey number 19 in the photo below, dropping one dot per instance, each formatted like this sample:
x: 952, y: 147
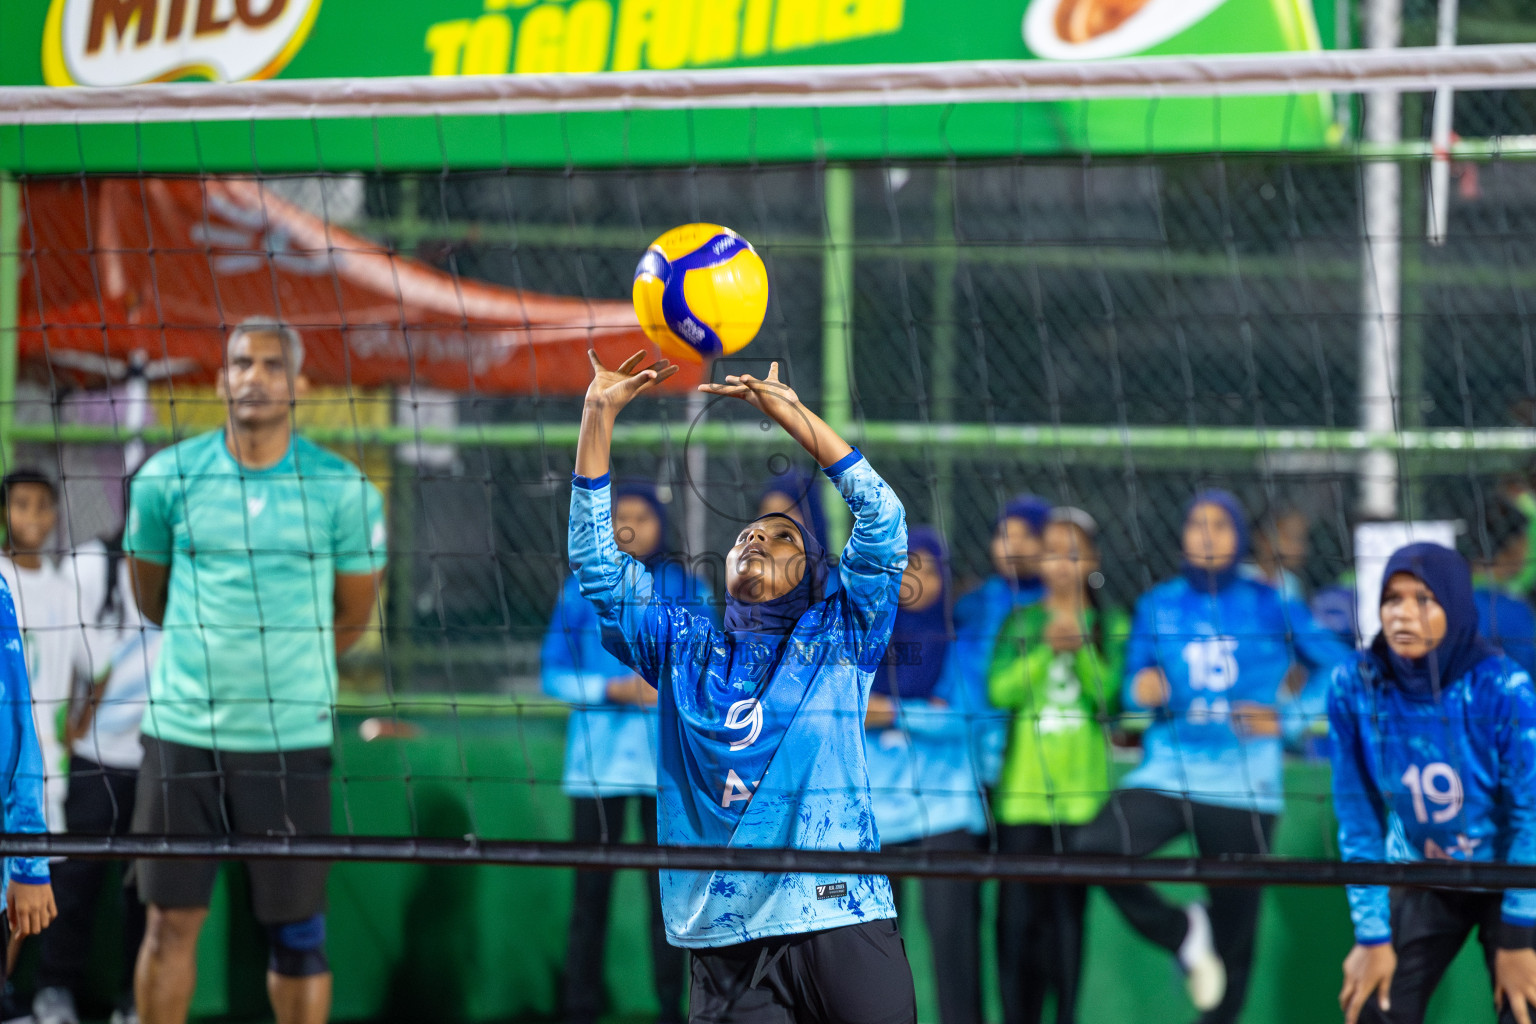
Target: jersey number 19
x: 1436, y: 783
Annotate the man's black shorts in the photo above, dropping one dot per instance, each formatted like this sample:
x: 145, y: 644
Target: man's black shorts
x: 189, y: 791
x: 857, y: 974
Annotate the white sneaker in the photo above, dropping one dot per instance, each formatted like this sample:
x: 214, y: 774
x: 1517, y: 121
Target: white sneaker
x: 128, y: 1016
x: 54, y: 1006
x: 1205, y: 976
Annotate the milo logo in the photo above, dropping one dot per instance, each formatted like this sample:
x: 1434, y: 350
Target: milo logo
x: 126, y: 42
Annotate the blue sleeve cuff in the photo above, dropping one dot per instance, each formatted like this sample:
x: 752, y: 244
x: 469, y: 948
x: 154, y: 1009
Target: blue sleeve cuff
x: 590, y: 483
x: 1379, y: 941
x: 30, y: 870
x: 842, y: 464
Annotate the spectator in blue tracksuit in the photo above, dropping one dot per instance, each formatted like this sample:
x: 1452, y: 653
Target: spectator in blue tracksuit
x: 922, y: 770
x: 980, y: 614
x: 28, y: 896
x: 761, y: 729
x: 1207, y: 655
x: 610, y: 750
x: 1507, y: 623
x: 1434, y: 758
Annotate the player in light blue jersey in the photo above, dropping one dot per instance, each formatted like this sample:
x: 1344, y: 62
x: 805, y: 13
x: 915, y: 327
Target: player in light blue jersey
x: 610, y: 751
x: 28, y: 895
x: 923, y: 769
x: 761, y: 730
x: 1434, y: 758
x: 1207, y: 655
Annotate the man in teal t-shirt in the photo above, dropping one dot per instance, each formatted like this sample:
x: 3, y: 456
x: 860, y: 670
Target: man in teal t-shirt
x: 259, y: 553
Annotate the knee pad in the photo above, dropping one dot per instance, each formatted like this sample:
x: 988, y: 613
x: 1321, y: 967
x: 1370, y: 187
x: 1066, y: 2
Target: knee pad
x: 298, y: 948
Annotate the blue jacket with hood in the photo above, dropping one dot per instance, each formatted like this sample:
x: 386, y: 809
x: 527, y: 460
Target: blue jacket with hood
x: 1222, y: 640
x: 979, y: 617
x: 1435, y: 758
x: 21, y: 758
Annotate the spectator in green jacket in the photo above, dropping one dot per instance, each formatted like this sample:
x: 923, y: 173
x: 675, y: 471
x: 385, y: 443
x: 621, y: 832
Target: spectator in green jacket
x: 1057, y: 667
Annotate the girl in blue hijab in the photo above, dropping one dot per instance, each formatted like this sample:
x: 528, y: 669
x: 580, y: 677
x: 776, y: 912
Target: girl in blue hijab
x: 920, y: 638
x: 1449, y: 580
x: 777, y: 616
x: 922, y: 773
x: 761, y: 723
x: 1434, y: 757
x: 979, y: 615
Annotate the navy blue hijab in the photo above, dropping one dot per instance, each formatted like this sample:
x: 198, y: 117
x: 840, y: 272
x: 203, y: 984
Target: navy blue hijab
x: 1449, y: 578
x: 646, y: 492
x: 799, y: 486
x: 1034, y: 512
x: 1209, y: 581
x: 777, y: 617
x: 919, y: 640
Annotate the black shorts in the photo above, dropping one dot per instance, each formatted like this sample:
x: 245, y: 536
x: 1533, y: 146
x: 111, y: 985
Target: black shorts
x: 857, y: 974
x: 1429, y: 929
x: 189, y: 791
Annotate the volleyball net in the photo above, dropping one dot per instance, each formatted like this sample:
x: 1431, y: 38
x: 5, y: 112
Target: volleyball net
x: 1111, y: 284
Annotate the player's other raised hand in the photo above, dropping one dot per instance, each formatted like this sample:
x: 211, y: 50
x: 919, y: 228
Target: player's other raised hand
x: 778, y: 402
x: 763, y: 395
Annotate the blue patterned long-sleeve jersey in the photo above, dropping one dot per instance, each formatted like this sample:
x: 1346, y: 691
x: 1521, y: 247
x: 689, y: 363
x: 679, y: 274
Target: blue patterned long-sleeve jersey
x: 761, y: 737
x: 1420, y: 778
x: 1219, y: 651
x: 21, y: 759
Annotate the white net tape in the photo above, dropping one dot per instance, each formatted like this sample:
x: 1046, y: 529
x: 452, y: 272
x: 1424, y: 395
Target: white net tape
x: 1400, y: 70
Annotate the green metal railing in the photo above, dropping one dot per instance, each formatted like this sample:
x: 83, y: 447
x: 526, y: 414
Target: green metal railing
x: 974, y: 439
x: 938, y: 435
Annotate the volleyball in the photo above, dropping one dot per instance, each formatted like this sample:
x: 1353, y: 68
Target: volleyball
x: 701, y: 291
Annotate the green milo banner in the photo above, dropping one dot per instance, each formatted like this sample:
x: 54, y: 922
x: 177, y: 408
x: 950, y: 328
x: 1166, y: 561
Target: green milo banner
x: 102, y: 43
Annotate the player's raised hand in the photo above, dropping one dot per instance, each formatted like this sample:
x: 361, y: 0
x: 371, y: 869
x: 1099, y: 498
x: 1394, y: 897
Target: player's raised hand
x: 1368, y: 972
x: 769, y: 396
x: 778, y: 401
x: 612, y: 390
x: 1514, y: 982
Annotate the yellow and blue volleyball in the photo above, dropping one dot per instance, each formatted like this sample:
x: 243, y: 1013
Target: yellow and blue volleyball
x: 701, y: 291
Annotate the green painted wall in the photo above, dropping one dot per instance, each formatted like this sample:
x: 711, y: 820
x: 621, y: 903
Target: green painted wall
x: 414, y: 943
